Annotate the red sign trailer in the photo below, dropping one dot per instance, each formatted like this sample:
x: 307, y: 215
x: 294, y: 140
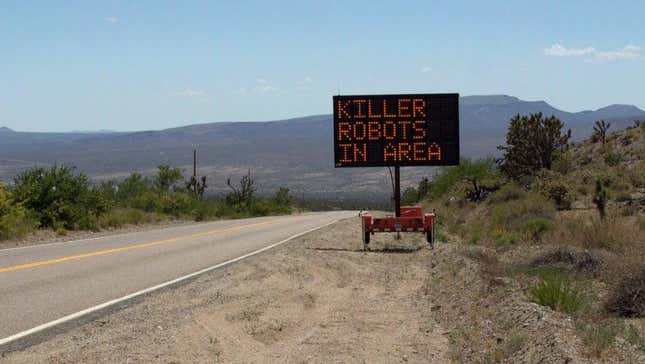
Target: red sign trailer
x: 397, y: 131
x: 412, y: 219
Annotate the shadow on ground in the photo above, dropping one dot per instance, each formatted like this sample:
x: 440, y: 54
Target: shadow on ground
x: 381, y: 250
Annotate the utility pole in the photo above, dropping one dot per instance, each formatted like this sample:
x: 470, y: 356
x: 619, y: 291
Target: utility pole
x: 195, y: 164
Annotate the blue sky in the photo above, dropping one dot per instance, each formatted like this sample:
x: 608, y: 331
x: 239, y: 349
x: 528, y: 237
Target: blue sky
x: 132, y: 65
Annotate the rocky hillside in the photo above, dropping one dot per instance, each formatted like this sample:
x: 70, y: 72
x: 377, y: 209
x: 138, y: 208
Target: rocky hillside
x: 560, y: 278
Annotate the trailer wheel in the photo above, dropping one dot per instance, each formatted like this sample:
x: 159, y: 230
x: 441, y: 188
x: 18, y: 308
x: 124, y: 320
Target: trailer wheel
x: 366, y: 239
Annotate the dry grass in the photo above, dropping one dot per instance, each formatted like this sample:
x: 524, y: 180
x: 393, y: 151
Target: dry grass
x: 489, y: 265
x: 598, y: 336
x: 128, y: 216
x: 613, y: 233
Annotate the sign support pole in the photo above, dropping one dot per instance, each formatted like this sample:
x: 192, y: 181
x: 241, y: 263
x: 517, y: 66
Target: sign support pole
x: 397, y: 191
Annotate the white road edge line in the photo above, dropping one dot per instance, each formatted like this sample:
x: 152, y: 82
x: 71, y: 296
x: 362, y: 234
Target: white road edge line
x: 78, y: 314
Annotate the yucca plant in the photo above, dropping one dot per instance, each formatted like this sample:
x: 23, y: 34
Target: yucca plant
x: 600, y: 131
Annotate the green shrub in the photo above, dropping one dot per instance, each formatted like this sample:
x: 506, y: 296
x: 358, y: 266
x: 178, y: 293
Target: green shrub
x: 503, y: 237
x: 59, y: 198
x: 16, y: 223
x: 473, y: 173
x: 167, y: 177
x: 176, y: 203
x: 132, y: 187
x: 526, y: 215
x: 508, y: 192
x: 409, y: 196
x: 555, y: 290
x: 15, y: 220
x: 565, y: 163
x: 612, y: 158
x: 108, y: 192
x: 559, y: 193
x: 536, y: 227
x: 554, y: 186
x: 283, y: 201
x: 474, y: 233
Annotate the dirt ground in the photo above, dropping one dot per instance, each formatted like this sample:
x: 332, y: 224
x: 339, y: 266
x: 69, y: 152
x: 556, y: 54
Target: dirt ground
x: 322, y: 299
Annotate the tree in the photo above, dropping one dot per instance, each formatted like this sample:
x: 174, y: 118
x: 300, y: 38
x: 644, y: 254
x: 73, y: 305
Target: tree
x: 197, y: 187
x: 167, y: 177
x: 241, y: 198
x: 533, y: 143
x: 600, y: 131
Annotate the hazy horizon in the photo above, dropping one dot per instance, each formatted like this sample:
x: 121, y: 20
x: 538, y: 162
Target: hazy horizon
x: 98, y: 131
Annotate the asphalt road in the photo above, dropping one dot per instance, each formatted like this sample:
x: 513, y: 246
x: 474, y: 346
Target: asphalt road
x: 42, y: 283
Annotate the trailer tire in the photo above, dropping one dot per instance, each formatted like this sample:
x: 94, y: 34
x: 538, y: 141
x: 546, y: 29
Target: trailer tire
x: 430, y: 237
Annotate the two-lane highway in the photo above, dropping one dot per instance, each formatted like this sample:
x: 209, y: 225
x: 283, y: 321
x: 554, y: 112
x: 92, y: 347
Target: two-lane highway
x: 45, y: 283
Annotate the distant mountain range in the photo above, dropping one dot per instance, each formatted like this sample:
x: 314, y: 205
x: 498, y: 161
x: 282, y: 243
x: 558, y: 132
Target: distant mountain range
x: 296, y: 153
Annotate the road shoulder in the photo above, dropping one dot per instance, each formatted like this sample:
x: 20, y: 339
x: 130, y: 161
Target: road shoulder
x: 316, y: 298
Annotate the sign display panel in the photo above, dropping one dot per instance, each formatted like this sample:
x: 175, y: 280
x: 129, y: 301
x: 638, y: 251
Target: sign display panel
x: 396, y: 130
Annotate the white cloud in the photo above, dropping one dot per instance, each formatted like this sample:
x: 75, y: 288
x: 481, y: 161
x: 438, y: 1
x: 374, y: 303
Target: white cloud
x: 425, y: 69
x: 263, y: 86
x: 626, y: 53
x: 559, y: 51
x: 111, y: 19
x: 308, y: 80
x: 188, y: 92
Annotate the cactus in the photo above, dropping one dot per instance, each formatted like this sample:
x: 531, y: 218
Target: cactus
x: 600, y: 198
